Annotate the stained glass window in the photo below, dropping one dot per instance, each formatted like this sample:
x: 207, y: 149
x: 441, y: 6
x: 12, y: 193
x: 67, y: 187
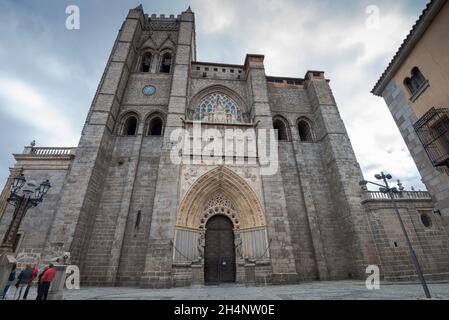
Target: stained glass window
x: 217, y: 107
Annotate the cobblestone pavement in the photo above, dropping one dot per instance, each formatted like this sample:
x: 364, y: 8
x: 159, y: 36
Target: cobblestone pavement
x: 335, y: 290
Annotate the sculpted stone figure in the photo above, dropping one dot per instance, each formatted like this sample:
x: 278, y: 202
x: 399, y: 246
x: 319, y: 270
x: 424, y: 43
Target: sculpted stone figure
x: 238, y: 246
x: 63, y: 259
x: 201, y: 245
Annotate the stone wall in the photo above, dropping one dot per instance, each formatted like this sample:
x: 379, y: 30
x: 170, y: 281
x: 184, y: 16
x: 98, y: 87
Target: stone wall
x: 115, y: 205
x: 36, y: 226
x: 430, y: 243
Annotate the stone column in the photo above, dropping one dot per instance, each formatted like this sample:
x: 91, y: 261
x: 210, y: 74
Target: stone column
x: 343, y: 174
x: 158, y: 265
x: 310, y: 207
x: 281, y: 249
x: 84, y: 184
x: 250, y: 272
x: 197, y: 274
x: 56, y: 291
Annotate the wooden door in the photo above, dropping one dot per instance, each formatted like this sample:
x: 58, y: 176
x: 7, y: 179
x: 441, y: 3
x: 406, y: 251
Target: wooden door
x: 219, y: 253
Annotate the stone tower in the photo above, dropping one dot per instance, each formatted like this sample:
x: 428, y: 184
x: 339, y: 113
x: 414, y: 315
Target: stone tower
x: 120, y: 211
x: 131, y: 214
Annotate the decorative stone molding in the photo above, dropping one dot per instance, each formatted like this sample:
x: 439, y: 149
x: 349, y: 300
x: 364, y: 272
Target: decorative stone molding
x: 229, y: 185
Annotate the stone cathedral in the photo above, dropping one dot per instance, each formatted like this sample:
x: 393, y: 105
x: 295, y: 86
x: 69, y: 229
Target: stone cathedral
x: 131, y: 216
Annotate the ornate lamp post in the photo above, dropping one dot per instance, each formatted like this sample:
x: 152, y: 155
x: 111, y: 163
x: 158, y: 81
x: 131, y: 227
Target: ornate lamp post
x: 24, y: 195
x: 391, y: 191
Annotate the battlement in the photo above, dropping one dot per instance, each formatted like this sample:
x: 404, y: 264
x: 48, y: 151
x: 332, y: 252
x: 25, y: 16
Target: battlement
x: 162, y: 22
x: 217, y: 71
x: 162, y: 17
x: 282, y: 81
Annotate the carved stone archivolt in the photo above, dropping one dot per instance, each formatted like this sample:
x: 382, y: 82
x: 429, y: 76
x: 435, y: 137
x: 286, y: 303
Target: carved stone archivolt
x: 220, y: 205
x: 220, y: 191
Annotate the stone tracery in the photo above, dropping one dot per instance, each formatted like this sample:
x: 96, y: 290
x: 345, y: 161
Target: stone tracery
x: 220, y: 188
x: 219, y: 204
x: 217, y: 107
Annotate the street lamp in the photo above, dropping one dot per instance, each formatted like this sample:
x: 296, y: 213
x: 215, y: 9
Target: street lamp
x: 391, y: 191
x: 24, y: 195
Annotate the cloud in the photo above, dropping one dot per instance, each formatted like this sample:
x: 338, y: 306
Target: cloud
x: 296, y: 36
x: 217, y: 16
x: 25, y: 104
x: 51, y: 74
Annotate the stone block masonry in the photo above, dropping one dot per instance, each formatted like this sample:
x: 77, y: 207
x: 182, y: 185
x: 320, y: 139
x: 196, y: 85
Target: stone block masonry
x: 130, y: 216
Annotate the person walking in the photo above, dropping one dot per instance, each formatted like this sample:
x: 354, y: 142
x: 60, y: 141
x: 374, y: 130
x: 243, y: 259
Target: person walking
x: 22, y: 281
x: 11, y: 279
x: 39, y: 284
x: 34, y: 273
x: 46, y: 279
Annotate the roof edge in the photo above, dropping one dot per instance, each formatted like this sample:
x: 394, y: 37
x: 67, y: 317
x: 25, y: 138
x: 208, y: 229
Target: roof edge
x: 419, y: 28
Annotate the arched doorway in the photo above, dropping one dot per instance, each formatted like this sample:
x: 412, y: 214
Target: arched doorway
x: 219, y: 251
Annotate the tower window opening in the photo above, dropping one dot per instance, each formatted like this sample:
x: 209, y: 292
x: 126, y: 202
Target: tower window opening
x: 155, y: 127
x: 166, y: 63
x: 304, y: 131
x: 130, y: 126
x: 146, y: 62
x: 279, y: 125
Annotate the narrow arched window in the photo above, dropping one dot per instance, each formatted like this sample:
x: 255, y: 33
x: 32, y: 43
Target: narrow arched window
x: 130, y: 126
x: 416, y: 81
x: 155, y: 126
x: 304, y: 131
x: 146, y: 62
x: 166, y: 63
x: 281, y: 128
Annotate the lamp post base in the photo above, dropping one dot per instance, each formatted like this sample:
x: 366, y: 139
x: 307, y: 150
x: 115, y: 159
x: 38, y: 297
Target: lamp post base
x: 6, y: 262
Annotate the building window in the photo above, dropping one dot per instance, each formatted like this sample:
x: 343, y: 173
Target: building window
x: 166, y: 63
x: 155, y: 126
x: 217, y: 107
x: 433, y: 132
x: 426, y: 220
x: 304, y: 131
x: 416, y: 83
x: 146, y: 62
x: 281, y: 127
x: 130, y: 126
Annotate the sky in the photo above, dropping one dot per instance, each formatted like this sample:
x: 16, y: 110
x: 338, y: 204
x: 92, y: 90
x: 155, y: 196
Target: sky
x: 49, y: 74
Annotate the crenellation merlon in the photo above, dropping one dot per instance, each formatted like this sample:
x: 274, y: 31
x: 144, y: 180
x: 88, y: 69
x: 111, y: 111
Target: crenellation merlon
x: 162, y: 17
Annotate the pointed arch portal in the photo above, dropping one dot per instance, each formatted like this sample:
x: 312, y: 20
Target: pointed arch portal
x: 220, y: 221
x: 234, y: 188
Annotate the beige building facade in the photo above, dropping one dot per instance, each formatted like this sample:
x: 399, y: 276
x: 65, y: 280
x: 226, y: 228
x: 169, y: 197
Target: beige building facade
x: 415, y: 87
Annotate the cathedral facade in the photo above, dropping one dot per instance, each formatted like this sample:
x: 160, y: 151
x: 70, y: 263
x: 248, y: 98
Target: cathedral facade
x: 131, y: 214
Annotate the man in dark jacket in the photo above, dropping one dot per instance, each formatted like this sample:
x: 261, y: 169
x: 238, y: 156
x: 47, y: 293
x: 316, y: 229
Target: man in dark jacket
x: 34, y: 273
x: 22, y: 280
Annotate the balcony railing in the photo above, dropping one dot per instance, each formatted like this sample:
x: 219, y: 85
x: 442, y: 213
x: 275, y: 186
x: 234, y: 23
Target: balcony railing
x: 403, y: 195
x: 433, y: 131
x: 49, y: 151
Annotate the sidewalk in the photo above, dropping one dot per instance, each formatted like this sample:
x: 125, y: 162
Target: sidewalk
x: 335, y: 290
